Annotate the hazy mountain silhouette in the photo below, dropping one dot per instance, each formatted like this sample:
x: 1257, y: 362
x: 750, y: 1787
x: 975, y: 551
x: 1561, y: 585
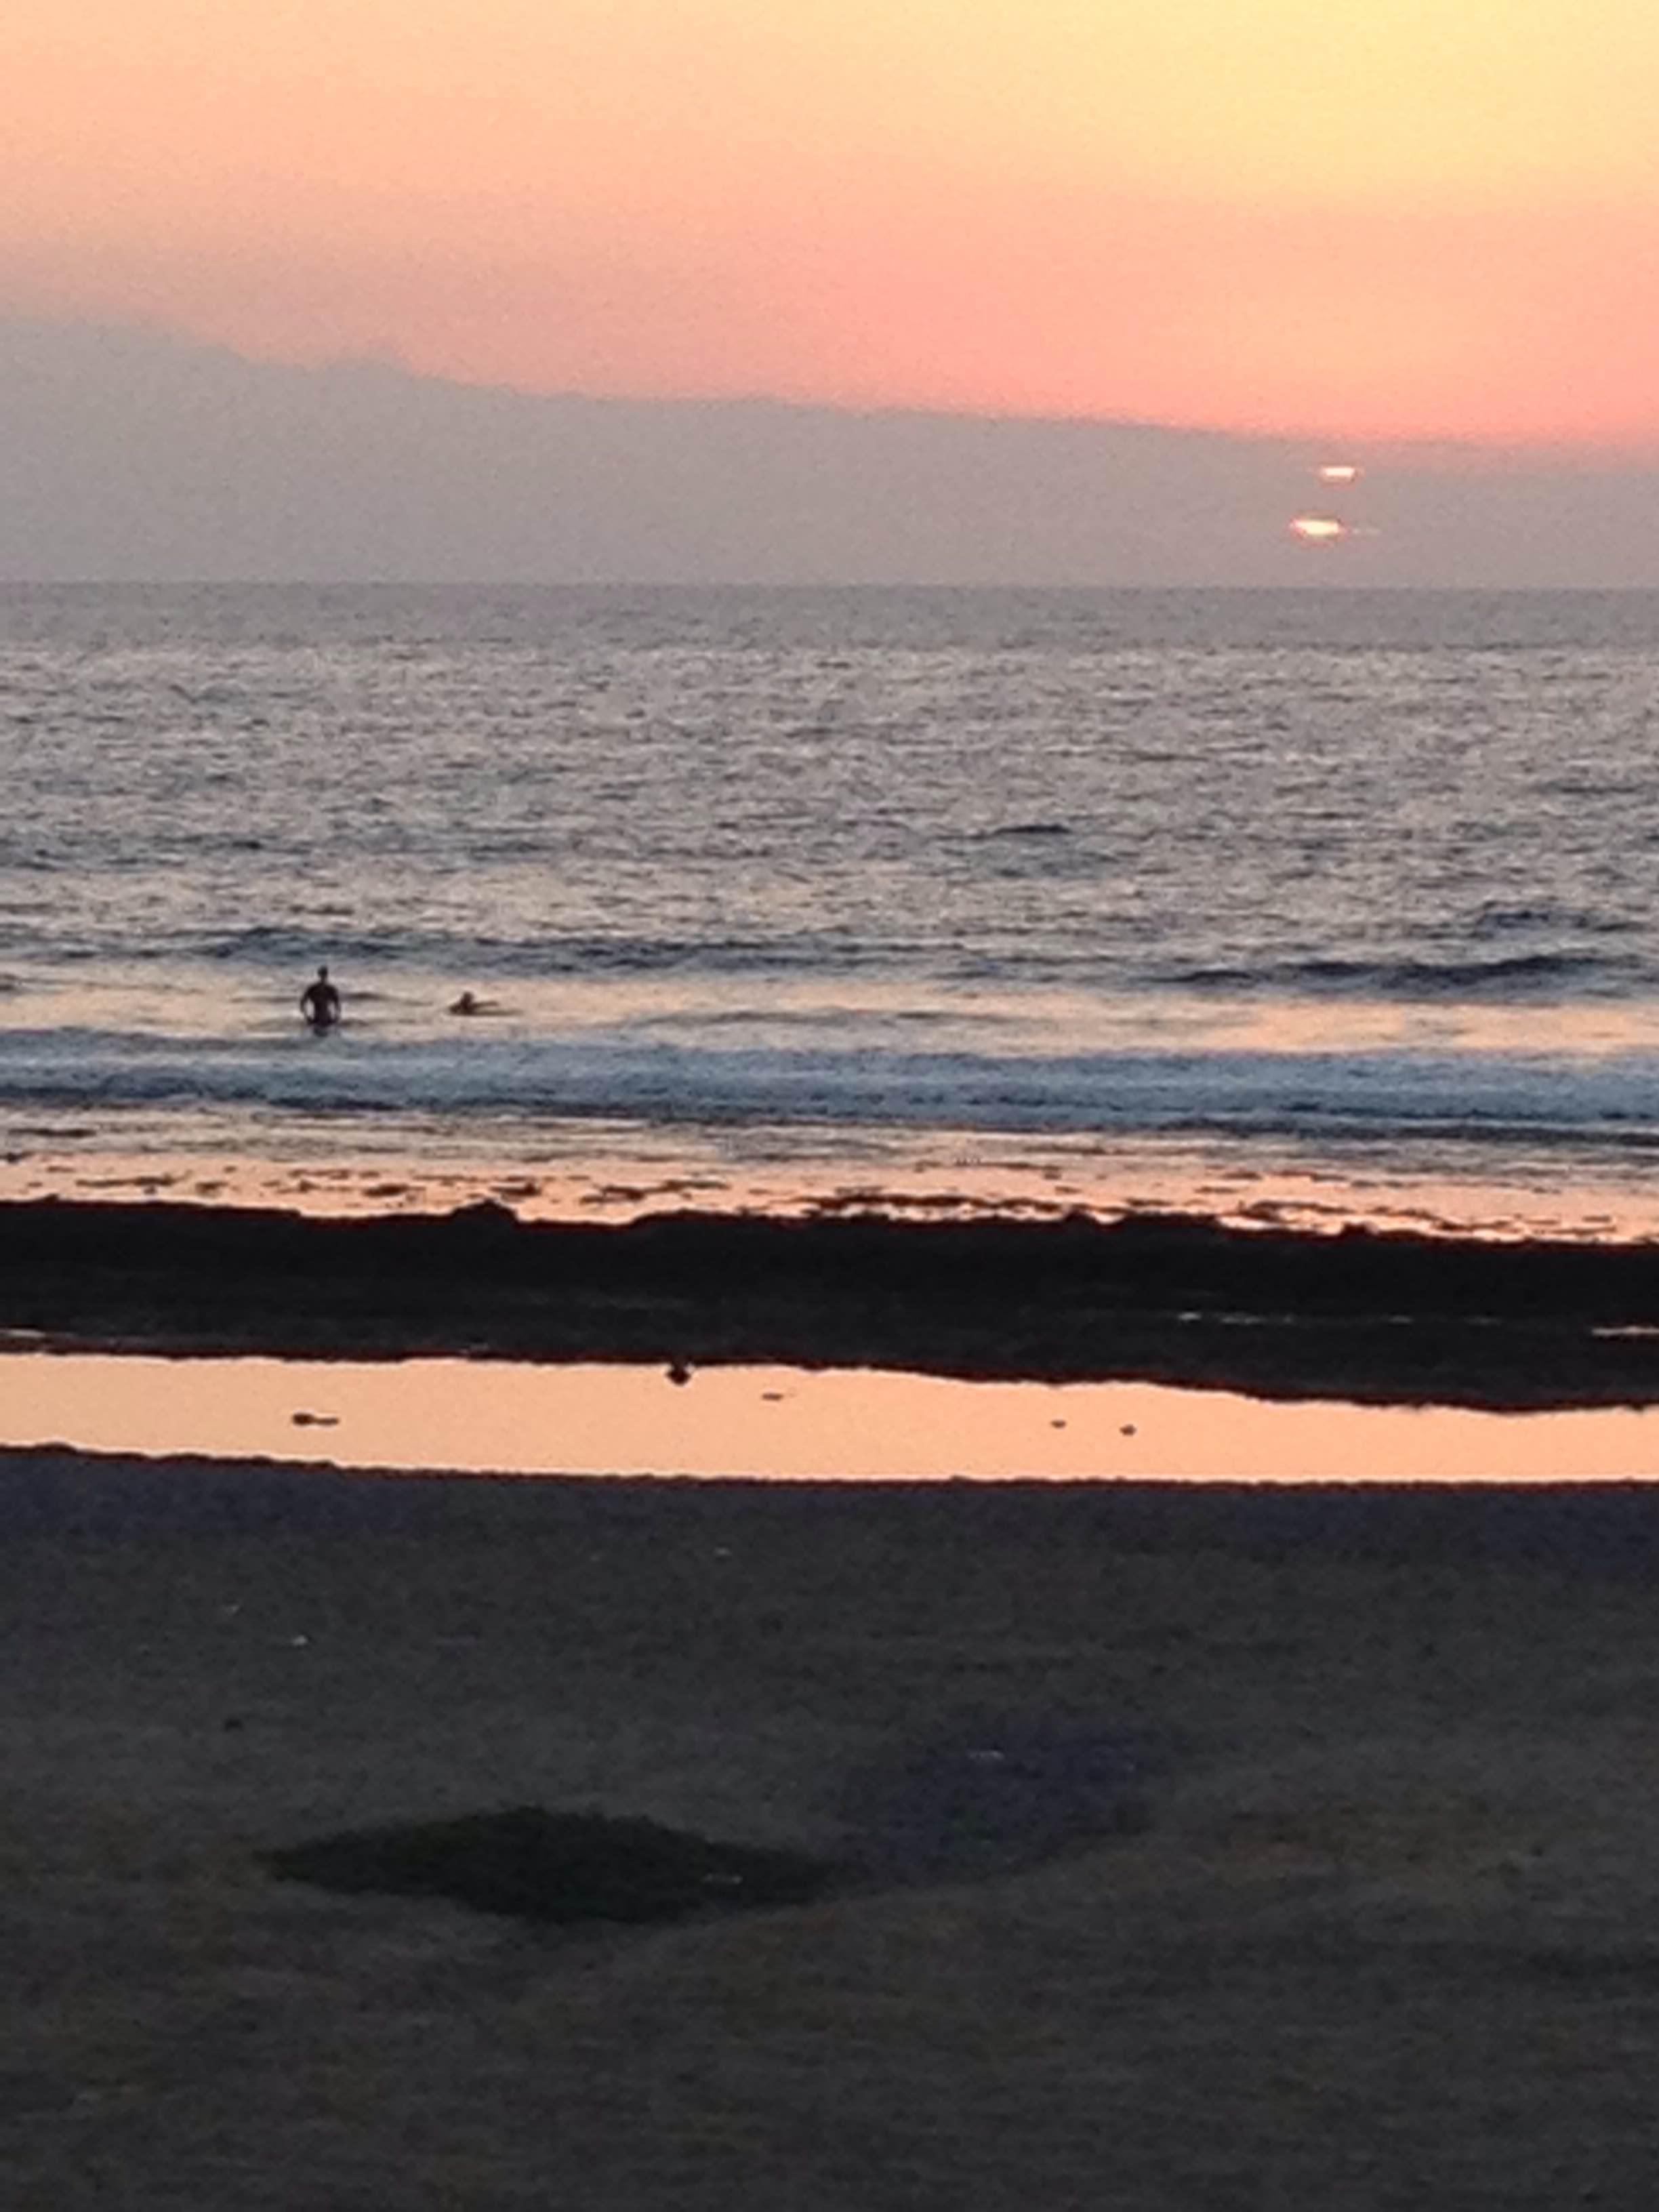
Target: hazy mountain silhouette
x: 125, y: 453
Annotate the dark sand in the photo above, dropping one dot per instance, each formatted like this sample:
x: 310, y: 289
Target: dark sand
x: 1161, y: 1298
x: 1327, y: 1875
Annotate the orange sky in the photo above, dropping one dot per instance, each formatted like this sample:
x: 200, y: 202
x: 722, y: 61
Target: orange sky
x: 1369, y: 218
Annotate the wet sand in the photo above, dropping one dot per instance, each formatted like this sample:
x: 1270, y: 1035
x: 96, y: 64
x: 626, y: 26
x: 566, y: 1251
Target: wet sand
x: 1322, y: 1869
x: 1357, y: 1314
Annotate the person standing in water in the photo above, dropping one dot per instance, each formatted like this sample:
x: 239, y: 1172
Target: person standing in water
x: 319, y: 1002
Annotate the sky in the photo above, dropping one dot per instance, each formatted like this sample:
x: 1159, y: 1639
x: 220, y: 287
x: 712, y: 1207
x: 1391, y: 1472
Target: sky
x: 1358, y: 219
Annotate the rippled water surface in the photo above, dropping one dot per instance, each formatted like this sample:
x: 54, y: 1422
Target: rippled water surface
x: 1125, y: 894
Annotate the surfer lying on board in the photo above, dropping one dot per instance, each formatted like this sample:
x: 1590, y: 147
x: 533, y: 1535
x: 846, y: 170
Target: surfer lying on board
x: 319, y: 1002
x: 470, y: 1003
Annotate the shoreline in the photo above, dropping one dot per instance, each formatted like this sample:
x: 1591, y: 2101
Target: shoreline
x: 579, y: 1170
x: 1375, y: 1317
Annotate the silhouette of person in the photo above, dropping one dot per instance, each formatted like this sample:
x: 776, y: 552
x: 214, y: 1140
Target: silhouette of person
x: 319, y: 1002
x: 470, y: 1003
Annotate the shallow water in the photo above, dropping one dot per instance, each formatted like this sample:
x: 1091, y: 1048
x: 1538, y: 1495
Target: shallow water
x: 485, y: 1416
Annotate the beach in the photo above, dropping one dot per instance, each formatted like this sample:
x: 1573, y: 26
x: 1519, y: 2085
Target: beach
x: 1164, y: 1845
x: 1197, y: 1848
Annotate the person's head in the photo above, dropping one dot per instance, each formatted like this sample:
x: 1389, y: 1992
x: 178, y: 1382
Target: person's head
x: 322, y: 973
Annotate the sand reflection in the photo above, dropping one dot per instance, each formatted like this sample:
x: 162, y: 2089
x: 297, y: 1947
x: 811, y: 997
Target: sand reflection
x: 782, y: 1423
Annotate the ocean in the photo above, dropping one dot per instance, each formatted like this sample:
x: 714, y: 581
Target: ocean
x: 1307, y: 906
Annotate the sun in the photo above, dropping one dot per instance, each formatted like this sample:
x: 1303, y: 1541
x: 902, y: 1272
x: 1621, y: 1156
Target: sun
x: 1318, y: 529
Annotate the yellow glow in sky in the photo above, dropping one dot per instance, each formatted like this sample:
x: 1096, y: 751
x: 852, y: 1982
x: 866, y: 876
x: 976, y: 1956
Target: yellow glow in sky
x: 1380, y: 218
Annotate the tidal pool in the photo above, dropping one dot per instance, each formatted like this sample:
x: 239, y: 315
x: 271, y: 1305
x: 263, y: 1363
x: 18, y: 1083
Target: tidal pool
x: 497, y: 1416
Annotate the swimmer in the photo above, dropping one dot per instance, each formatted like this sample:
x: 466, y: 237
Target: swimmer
x: 469, y: 1003
x: 319, y: 1002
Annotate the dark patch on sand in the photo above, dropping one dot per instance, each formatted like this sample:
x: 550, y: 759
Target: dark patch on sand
x: 560, y: 1867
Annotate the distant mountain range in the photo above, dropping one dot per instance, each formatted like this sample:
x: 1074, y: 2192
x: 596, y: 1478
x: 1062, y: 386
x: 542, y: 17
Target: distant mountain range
x: 128, y: 455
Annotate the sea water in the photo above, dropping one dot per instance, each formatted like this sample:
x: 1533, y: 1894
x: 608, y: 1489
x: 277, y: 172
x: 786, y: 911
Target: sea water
x: 1304, y: 904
